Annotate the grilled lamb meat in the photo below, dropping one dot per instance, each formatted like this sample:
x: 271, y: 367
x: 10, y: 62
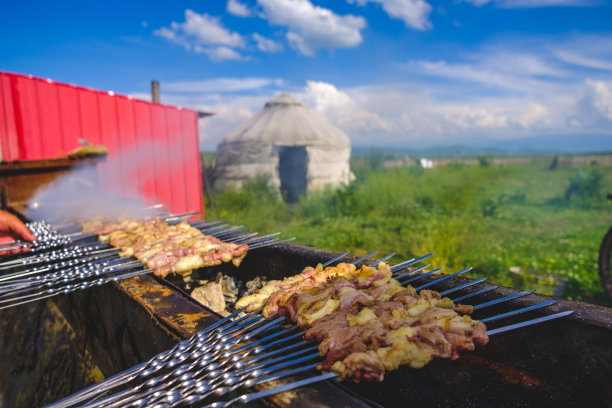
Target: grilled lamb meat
x: 366, y: 323
x: 167, y: 248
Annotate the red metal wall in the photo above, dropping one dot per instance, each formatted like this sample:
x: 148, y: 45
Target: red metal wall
x: 153, y: 148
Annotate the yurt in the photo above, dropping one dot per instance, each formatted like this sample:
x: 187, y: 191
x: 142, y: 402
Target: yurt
x: 294, y: 145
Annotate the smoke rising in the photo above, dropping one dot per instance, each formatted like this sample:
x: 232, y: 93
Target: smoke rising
x: 122, y: 185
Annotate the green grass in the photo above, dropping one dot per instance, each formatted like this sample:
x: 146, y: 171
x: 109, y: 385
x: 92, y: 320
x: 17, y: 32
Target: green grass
x: 492, y: 218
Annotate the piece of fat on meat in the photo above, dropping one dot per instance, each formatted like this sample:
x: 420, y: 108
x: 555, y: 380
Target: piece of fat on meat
x: 188, y: 263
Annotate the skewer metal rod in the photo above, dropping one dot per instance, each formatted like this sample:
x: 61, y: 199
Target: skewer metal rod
x: 245, y: 237
x: 503, y: 299
x: 246, y: 398
x: 465, y: 285
x: 412, y: 272
x: 71, y: 288
x: 518, y: 311
x: 529, y: 322
x: 336, y: 258
x: 421, y: 276
x: 384, y: 258
x: 126, y: 375
x: 443, y: 278
x: 273, y: 242
x: 363, y: 258
x: 412, y: 261
x: 479, y: 292
x: 261, y: 237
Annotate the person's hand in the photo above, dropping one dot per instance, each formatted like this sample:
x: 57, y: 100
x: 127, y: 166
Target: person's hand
x: 11, y: 229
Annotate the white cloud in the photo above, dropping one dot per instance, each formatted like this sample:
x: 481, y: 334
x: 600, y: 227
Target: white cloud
x: 414, y: 13
x: 575, y: 58
x: 533, y: 3
x: 266, y: 45
x: 222, y: 85
x: 220, y: 53
x: 229, y: 113
x: 203, y: 33
x: 601, y: 97
x: 408, y: 113
x: 238, y: 9
x: 494, y: 67
x: 341, y: 109
x: 312, y: 27
x: 468, y: 72
x: 494, y: 92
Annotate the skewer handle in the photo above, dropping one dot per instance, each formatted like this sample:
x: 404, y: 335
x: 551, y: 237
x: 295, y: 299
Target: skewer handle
x: 243, y: 399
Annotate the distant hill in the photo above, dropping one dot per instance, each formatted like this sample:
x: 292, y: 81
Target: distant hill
x: 534, y: 146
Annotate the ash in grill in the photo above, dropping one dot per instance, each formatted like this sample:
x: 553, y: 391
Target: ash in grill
x: 219, y: 295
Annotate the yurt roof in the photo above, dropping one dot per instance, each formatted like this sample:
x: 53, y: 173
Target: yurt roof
x: 284, y: 121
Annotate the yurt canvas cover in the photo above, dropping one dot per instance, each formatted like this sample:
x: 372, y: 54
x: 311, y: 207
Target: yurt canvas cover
x: 296, y: 146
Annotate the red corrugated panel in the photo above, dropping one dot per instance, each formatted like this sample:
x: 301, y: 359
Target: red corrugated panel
x: 109, y: 137
x: 50, y: 124
x: 193, y: 168
x: 163, y: 157
x: 127, y: 145
x: 109, y: 133
x: 70, y: 115
x: 27, y: 104
x: 177, y: 174
x: 89, y: 111
x: 153, y: 148
x: 147, y: 152
x: 8, y: 128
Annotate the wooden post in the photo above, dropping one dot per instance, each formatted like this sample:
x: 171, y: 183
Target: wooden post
x: 155, y: 91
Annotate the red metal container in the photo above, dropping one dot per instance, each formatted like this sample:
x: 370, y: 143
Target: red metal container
x: 153, y: 148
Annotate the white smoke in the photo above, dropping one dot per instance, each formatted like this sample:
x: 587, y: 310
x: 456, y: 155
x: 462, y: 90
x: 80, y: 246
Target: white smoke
x: 111, y: 188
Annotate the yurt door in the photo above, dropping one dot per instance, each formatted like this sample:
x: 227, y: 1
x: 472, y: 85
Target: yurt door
x: 292, y: 172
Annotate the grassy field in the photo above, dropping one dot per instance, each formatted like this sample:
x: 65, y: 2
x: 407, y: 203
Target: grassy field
x: 525, y: 226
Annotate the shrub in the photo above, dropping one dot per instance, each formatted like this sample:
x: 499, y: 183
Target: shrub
x: 585, y: 184
x: 489, y: 208
x: 484, y: 161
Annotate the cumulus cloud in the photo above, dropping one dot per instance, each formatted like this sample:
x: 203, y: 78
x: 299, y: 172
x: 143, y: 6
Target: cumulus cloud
x: 311, y: 27
x: 238, y: 9
x: 414, y: 13
x: 267, y: 45
x: 601, y: 96
x: 206, y: 34
x: 229, y: 113
x: 341, y: 109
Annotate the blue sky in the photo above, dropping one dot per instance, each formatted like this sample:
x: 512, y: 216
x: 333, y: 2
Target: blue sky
x: 387, y: 72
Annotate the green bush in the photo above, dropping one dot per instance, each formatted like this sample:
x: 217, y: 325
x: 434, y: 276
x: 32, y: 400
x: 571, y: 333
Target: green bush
x: 484, y: 161
x: 585, y: 184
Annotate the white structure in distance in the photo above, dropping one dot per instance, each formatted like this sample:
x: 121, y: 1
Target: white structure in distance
x: 295, y: 146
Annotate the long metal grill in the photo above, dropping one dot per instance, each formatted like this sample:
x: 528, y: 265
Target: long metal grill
x: 64, y: 260
x: 244, y: 352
